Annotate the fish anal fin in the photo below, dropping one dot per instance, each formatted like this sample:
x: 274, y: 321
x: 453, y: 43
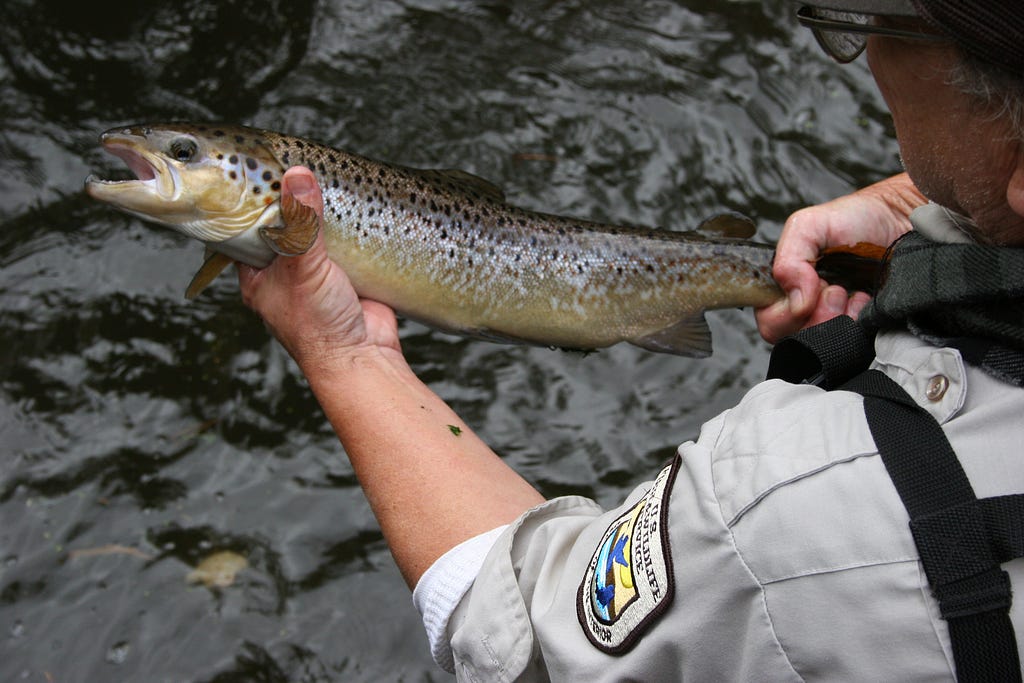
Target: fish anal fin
x: 729, y: 224
x: 688, y: 337
x: 466, y: 181
x: 298, y: 233
x: 214, y: 263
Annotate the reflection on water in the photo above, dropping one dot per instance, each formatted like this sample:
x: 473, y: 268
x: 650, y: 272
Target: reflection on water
x: 132, y: 420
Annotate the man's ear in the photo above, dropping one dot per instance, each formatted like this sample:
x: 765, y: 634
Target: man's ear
x: 1015, y: 190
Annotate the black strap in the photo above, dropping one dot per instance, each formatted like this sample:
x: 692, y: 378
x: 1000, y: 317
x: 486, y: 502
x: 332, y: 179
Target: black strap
x: 961, y: 540
x: 825, y: 355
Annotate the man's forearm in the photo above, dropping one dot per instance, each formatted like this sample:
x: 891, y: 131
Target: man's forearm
x: 431, y: 482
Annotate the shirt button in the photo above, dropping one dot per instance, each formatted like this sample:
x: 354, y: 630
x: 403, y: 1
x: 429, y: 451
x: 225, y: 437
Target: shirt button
x: 937, y: 386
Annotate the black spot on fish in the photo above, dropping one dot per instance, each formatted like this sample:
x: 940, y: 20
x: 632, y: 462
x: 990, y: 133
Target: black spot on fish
x: 233, y: 175
x: 358, y: 180
x: 333, y: 158
x: 451, y: 253
x: 433, y: 206
x: 233, y: 159
x: 371, y: 211
x: 444, y: 234
x: 220, y: 156
x: 239, y: 139
x: 256, y: 190
x: 300, y: 144
x: 250, y: 163
x: 275, y: 186
x: 219, y: 133
x: 267, y: 175
x: 412, y: 198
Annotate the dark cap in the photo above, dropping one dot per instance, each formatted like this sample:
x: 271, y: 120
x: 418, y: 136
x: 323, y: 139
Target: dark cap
x: 989, y: 30
x: 889, y: 8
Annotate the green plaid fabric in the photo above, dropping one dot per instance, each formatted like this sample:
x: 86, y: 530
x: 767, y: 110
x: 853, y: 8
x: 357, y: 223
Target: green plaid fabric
x: 966, y: 296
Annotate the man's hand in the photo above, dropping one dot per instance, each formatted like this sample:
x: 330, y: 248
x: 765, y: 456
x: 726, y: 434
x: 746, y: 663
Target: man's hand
x: 309, y: 303
x: 878, y: 214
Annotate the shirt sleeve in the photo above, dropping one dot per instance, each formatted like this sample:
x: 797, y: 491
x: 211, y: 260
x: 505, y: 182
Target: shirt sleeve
x: 443, y: 586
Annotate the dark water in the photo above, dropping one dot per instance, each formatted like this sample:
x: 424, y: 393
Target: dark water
x: 129, y: 417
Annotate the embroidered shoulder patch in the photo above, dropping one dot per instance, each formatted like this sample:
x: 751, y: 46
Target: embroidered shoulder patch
x: 628, y: 583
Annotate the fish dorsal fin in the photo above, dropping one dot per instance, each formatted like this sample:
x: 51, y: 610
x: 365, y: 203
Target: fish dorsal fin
x: 464, y: 180
x: 214, y: 263
x: 688, y: 337
x: 729, y: 224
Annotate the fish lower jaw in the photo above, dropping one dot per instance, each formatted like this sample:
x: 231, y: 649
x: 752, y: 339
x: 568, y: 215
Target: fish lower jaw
x: 142, y: 197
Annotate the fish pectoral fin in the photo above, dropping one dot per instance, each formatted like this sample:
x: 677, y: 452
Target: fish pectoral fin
x: 466, y: 181
x: 297, y: 234
x: 729, y: 224
x: 688, y: 337
x: 214, y: 263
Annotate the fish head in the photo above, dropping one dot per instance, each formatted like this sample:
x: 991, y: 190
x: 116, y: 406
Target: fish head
x: 210, y: 182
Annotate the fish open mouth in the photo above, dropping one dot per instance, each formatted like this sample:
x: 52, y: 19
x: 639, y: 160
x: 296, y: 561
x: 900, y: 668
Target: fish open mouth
x: 122, y: 146
x: 147, y: 181
x: 138, y: 164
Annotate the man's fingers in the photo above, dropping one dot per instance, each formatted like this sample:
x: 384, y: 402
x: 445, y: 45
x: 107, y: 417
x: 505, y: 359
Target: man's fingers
x: 300, y: 182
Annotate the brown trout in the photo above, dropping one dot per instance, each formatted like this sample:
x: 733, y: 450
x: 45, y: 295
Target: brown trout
x: 441, y: 247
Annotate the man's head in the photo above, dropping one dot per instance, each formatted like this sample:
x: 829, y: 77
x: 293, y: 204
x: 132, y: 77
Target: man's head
x: 952, y: 72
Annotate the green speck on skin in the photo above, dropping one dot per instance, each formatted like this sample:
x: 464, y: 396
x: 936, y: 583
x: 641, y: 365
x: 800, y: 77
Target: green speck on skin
x: 455, y: 430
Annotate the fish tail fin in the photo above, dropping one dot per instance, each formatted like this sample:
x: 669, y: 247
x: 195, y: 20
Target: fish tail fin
x: 857, y: 268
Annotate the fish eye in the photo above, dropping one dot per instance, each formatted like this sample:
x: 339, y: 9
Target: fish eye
x: 183, y: 149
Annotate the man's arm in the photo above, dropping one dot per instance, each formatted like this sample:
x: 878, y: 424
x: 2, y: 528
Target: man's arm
x: 431, y: 482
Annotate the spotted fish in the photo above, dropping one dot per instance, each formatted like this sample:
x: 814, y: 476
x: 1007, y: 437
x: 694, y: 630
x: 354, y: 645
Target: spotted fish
x: 439, y: 246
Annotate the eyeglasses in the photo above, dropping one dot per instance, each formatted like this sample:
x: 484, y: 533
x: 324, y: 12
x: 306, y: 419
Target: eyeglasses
x: 843, y: 35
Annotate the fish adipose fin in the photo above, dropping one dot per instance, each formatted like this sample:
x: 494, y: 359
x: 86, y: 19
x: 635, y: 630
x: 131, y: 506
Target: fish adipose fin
x: 299, y: 231
x: 688, y: 337
x: 213, y: 265
x: 729, y: 224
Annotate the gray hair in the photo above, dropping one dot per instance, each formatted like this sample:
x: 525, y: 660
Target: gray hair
x: 993, y: 86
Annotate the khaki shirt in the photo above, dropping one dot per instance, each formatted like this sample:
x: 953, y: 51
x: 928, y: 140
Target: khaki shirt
x: 782, y: 546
